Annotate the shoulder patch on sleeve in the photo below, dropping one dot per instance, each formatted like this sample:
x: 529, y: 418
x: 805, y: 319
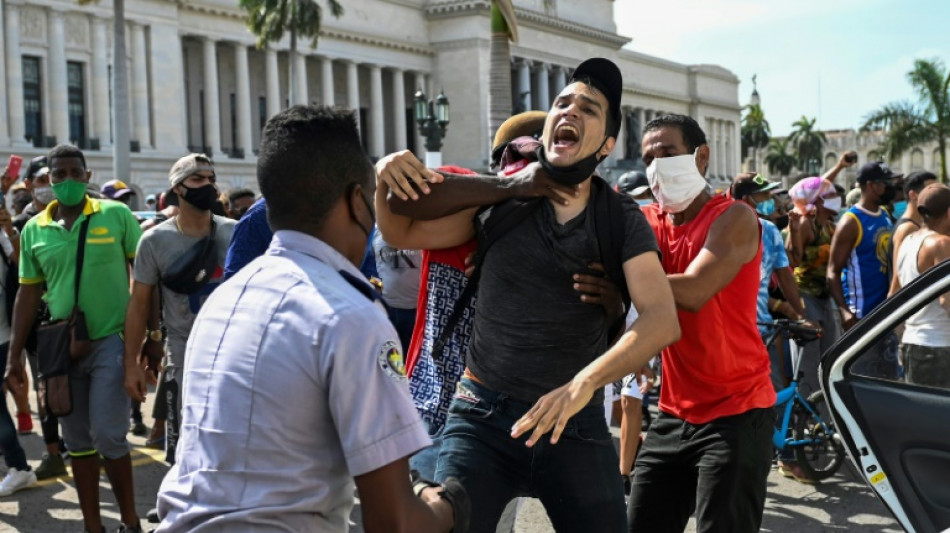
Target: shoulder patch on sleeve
x: 390, y: 361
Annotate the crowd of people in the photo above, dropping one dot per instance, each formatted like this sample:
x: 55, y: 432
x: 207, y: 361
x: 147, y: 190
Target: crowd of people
x: 445, y: 342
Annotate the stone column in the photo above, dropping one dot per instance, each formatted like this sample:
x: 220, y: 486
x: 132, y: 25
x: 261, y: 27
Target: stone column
x: 212, y: 117
x: 100, y: 83
x: 377, y: 138
x: 57, y: 87
x: 14, y: 80
x: 620, y: 143
x: 720, y: 149
x: 4, y: 131
x: 543, y: 101
x: 273, y: 83
x: 559, y: 79
x: 140, y: 98
x: 641, y: 120
x: 399, y: 109
x: 353, y: 88
x: 524, y: 84
x: 243, y: 97
x: 301, y: 87
x: 326, y: 81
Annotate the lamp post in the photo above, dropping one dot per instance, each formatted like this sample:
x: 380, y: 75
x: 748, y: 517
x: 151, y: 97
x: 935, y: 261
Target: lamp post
x: 432, y: 117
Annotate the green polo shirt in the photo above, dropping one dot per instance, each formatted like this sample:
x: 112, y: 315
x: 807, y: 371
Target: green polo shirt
x: 48, y: 253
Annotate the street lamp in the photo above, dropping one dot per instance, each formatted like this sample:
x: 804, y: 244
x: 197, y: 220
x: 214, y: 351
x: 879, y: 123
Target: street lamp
x: 433, y: 118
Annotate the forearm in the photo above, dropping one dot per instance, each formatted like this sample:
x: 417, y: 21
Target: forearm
x: 790, y: 289
x: 24, y: 315
x: 653, y: 331
x: 454, y: 194
x: 794, y: 248
x: 835, y: 289
x: 833, y: 172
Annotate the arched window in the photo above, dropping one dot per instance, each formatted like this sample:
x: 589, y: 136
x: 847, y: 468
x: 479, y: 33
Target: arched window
x: 917, y: 159
x: 830, y: 159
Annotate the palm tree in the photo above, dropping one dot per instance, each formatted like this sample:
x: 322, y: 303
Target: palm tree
x: 778, y: 160
x: 907, y: 125
x: 269, y: 19
x: 121, y: 164
x: 806, y: 141
x: 755, y: 131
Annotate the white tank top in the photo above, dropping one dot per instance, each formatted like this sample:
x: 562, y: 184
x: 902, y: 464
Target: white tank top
x: 931, y: 325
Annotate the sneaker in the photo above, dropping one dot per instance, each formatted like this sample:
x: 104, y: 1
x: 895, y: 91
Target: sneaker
x: 138, y: 429
x: 17, y: 480
x: 24, y: 423
x: 51, y: 466
x: 794, y: 471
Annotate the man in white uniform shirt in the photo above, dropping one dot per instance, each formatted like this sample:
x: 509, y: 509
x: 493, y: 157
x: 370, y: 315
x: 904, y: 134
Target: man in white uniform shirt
x: 294, y: 381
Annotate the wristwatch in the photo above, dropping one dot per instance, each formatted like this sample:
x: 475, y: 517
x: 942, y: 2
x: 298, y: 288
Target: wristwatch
x: 155, y: 335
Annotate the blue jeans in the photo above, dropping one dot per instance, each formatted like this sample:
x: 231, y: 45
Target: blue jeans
x: 13, y: 454
x: 577, y: 479
x: 425, y: 460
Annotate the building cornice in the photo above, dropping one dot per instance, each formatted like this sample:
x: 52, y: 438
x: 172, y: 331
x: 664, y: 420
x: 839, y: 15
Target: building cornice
x: 527, y: 17
x: 392, y: 44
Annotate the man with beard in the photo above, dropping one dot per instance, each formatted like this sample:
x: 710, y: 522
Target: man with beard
x: 160, y: 253
x: 710, y: 449
x: 858, y: 275
x: 533, y: 373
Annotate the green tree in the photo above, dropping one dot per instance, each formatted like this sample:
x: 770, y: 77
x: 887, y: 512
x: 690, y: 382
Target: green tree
x: 269, y: 19
x: 778, y: 160
x: 907, y: 124
x: 755, y: 131
x: 806, y: 142
x: 121, y: 134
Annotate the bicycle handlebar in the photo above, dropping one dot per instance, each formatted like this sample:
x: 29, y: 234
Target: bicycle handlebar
x: 795, y: 329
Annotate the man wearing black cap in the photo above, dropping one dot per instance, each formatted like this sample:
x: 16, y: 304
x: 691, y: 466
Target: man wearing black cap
x: 539, y: 356
x: 858, y: 272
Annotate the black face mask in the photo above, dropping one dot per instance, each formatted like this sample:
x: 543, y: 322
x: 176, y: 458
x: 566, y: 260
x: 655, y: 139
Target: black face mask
x: 372, y: 215
x: 203, y: 198
x: 890, y: 192
x: 781, y: 222
x: 574, y: 174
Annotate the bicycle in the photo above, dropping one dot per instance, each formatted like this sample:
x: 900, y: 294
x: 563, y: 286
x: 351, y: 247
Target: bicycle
x: 817, y: 446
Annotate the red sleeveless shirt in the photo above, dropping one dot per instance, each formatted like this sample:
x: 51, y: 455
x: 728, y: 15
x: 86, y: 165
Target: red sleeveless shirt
x: 720, y: 366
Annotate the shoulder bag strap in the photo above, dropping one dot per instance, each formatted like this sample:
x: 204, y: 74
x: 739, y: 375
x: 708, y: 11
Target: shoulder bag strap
x: 80, y: 254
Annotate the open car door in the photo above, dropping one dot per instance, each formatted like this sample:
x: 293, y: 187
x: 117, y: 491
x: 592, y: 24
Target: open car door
x: 897, y: 432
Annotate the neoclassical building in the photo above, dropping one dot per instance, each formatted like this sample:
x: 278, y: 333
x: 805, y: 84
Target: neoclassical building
x: 198, y: 83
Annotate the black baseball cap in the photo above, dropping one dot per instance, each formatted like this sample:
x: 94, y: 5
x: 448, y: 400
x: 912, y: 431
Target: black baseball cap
x: 605, y: 76
x: 747, y: 184
x: 875, y: 171
x: 633, y: 183
x: 917, y: 180
x: 37, y: 164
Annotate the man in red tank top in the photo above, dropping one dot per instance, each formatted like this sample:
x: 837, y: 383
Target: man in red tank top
x: 710, y: 448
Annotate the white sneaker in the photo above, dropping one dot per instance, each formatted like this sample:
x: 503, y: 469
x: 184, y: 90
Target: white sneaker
x: 16, y: 480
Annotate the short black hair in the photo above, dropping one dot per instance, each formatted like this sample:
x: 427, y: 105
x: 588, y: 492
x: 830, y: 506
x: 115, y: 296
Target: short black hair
x: 240, y: 192
x: 917, y: 180
x: 65, y: 150
x: 309, y: 156
x: 693, y: 135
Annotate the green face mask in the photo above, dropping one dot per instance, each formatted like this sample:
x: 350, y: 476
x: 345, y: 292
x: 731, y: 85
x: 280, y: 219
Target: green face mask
x: 69, y: 192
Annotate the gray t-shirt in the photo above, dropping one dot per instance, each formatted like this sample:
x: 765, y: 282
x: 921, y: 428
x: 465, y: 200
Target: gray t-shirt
x: 158, y: 249
x: 532, y: 332
x: 399, y: 271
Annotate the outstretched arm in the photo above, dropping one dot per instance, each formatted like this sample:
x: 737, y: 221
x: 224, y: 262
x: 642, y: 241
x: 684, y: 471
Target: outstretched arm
x: 444, y: 194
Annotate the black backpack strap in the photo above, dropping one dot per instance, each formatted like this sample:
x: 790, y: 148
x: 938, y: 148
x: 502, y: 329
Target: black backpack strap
x: 610, y: 227
x: 492, y: 223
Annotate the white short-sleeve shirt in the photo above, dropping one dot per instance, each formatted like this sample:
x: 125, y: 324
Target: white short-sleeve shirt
x: 293, y: 384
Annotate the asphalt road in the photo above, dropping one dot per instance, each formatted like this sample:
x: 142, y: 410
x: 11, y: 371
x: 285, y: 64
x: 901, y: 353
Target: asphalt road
x: 842, y: 503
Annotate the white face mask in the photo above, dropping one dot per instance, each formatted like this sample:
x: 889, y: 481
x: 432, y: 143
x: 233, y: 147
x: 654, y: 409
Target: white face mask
x: 833, y: 204
x: 675, y: 182
x: 44, y: 195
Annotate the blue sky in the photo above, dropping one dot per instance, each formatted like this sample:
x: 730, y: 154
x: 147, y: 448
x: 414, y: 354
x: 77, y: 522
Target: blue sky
x: 853, y: 53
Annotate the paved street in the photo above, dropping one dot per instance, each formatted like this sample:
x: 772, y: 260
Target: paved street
x: 842, y: 503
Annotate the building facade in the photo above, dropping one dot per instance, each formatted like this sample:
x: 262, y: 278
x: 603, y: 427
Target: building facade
x: 197, y: 82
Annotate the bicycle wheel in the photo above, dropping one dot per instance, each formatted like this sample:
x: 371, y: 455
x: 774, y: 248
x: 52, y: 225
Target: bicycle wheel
x: 822, y: 458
